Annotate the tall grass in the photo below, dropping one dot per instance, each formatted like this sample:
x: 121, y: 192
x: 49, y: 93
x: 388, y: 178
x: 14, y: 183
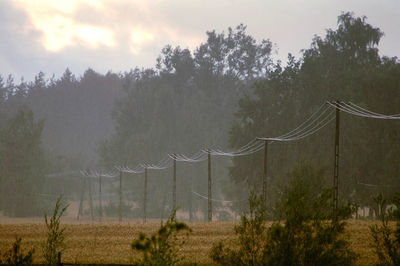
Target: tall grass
x: 54, y: 245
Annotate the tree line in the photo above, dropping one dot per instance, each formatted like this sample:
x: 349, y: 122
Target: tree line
x: 222, y: 94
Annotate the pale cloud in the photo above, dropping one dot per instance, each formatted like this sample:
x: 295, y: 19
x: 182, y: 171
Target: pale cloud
x: 92, y: 23
x: 59, y: 30
x: 139, y: 38
x: 121, y: 34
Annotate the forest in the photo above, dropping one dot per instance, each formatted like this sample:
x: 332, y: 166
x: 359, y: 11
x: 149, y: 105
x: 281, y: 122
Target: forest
x: 220, y: 95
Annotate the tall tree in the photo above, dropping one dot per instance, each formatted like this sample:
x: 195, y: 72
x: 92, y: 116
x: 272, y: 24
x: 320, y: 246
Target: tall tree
x: 22, y: 164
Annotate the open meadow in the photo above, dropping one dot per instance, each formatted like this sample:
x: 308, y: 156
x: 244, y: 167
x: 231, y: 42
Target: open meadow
x: 109, y: 242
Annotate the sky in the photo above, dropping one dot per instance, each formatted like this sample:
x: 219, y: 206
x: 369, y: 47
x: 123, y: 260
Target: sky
x: 118, y: 35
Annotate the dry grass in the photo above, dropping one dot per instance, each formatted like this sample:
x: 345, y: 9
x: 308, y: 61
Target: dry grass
x: 109, y: 242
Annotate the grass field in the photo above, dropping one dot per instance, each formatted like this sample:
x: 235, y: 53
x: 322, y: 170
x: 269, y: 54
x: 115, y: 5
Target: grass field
x: 109, y: 242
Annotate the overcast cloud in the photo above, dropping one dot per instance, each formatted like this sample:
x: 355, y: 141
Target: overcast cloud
x: 49, y: 36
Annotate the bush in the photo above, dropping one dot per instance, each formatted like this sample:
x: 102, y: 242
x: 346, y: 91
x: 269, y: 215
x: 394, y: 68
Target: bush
x: 311, y: 234
x: 162, y: 248
x: 252, y: 238
x: 385, y: 240
x: 14, y: 256
x: 54, y: 245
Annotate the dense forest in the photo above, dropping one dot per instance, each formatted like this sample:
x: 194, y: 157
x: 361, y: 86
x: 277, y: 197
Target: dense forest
x: 222, y: 94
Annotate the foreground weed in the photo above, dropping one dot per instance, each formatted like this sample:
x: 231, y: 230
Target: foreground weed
x: 15, y: 256
x: 54, y: 245
x: 252, y: 234
x: 162, y: 248
x: 385, y: 240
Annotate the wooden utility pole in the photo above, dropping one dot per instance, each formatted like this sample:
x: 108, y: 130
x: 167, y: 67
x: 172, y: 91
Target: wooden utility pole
x: 100, y: 206
x: 265, y: 180
x: 90, y: 198
x: 336, y: 163
x: 209, y: 188
x: 174, y: 187
x: 190, y: 200
x: 145, y: 195
x: 80, y: 211
x: 120, y: 197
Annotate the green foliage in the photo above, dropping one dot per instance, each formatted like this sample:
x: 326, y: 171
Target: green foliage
x: 162, y: 248
x: 54, y: 245
x: 308, y: 190
x: 310, y: 235
x: 252, y: 232
x: 386, y: 241
x: 15, y: 256
x: 22, y: 164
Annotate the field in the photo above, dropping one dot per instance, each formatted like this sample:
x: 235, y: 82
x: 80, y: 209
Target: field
x: 109, y: 242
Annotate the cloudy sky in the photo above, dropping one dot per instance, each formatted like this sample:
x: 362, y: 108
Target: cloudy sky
x: 117, y: 35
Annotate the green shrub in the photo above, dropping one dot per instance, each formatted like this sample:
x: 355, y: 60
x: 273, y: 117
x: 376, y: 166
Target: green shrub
x: 14, y: 256
x: 385, y: 240
x: 252, y: 238
x: 162, y: 248
x: 54, y: 244
x: 311, y: 234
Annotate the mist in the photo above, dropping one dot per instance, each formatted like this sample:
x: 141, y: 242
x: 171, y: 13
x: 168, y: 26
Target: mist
x: 186, y: 132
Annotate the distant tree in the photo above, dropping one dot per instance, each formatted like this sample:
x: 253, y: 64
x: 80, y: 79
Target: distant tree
x: 38, y: 84
x: 10, y: 86
x: 22, y: 164
x: 3, y: 92
x: 3, y: 98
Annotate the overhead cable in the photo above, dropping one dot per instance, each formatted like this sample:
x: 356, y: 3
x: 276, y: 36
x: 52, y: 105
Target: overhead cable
x: 62, y: 174
x: 356, y: 110
x: 217, y: 200
x: 318, y: 120
x: 125, y: 169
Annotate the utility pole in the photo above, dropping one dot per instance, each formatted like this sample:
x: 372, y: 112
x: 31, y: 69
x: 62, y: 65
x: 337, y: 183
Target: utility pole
x: 145, y: 195
x: 209, y: 188
x: 174, y: 187
x: 90, y: 197
x: 336, y: 163
x: 265, y: 181
x: 80, y: 211
x: 120, y: 196
x: 190, y: 200
x: 100, y: 206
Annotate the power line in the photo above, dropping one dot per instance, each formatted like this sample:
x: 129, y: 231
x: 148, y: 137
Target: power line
x: 217, y: 200
x: 63, y: 174
x: 125, y: 169
x: 356, y: 110
x: 320, y: 119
